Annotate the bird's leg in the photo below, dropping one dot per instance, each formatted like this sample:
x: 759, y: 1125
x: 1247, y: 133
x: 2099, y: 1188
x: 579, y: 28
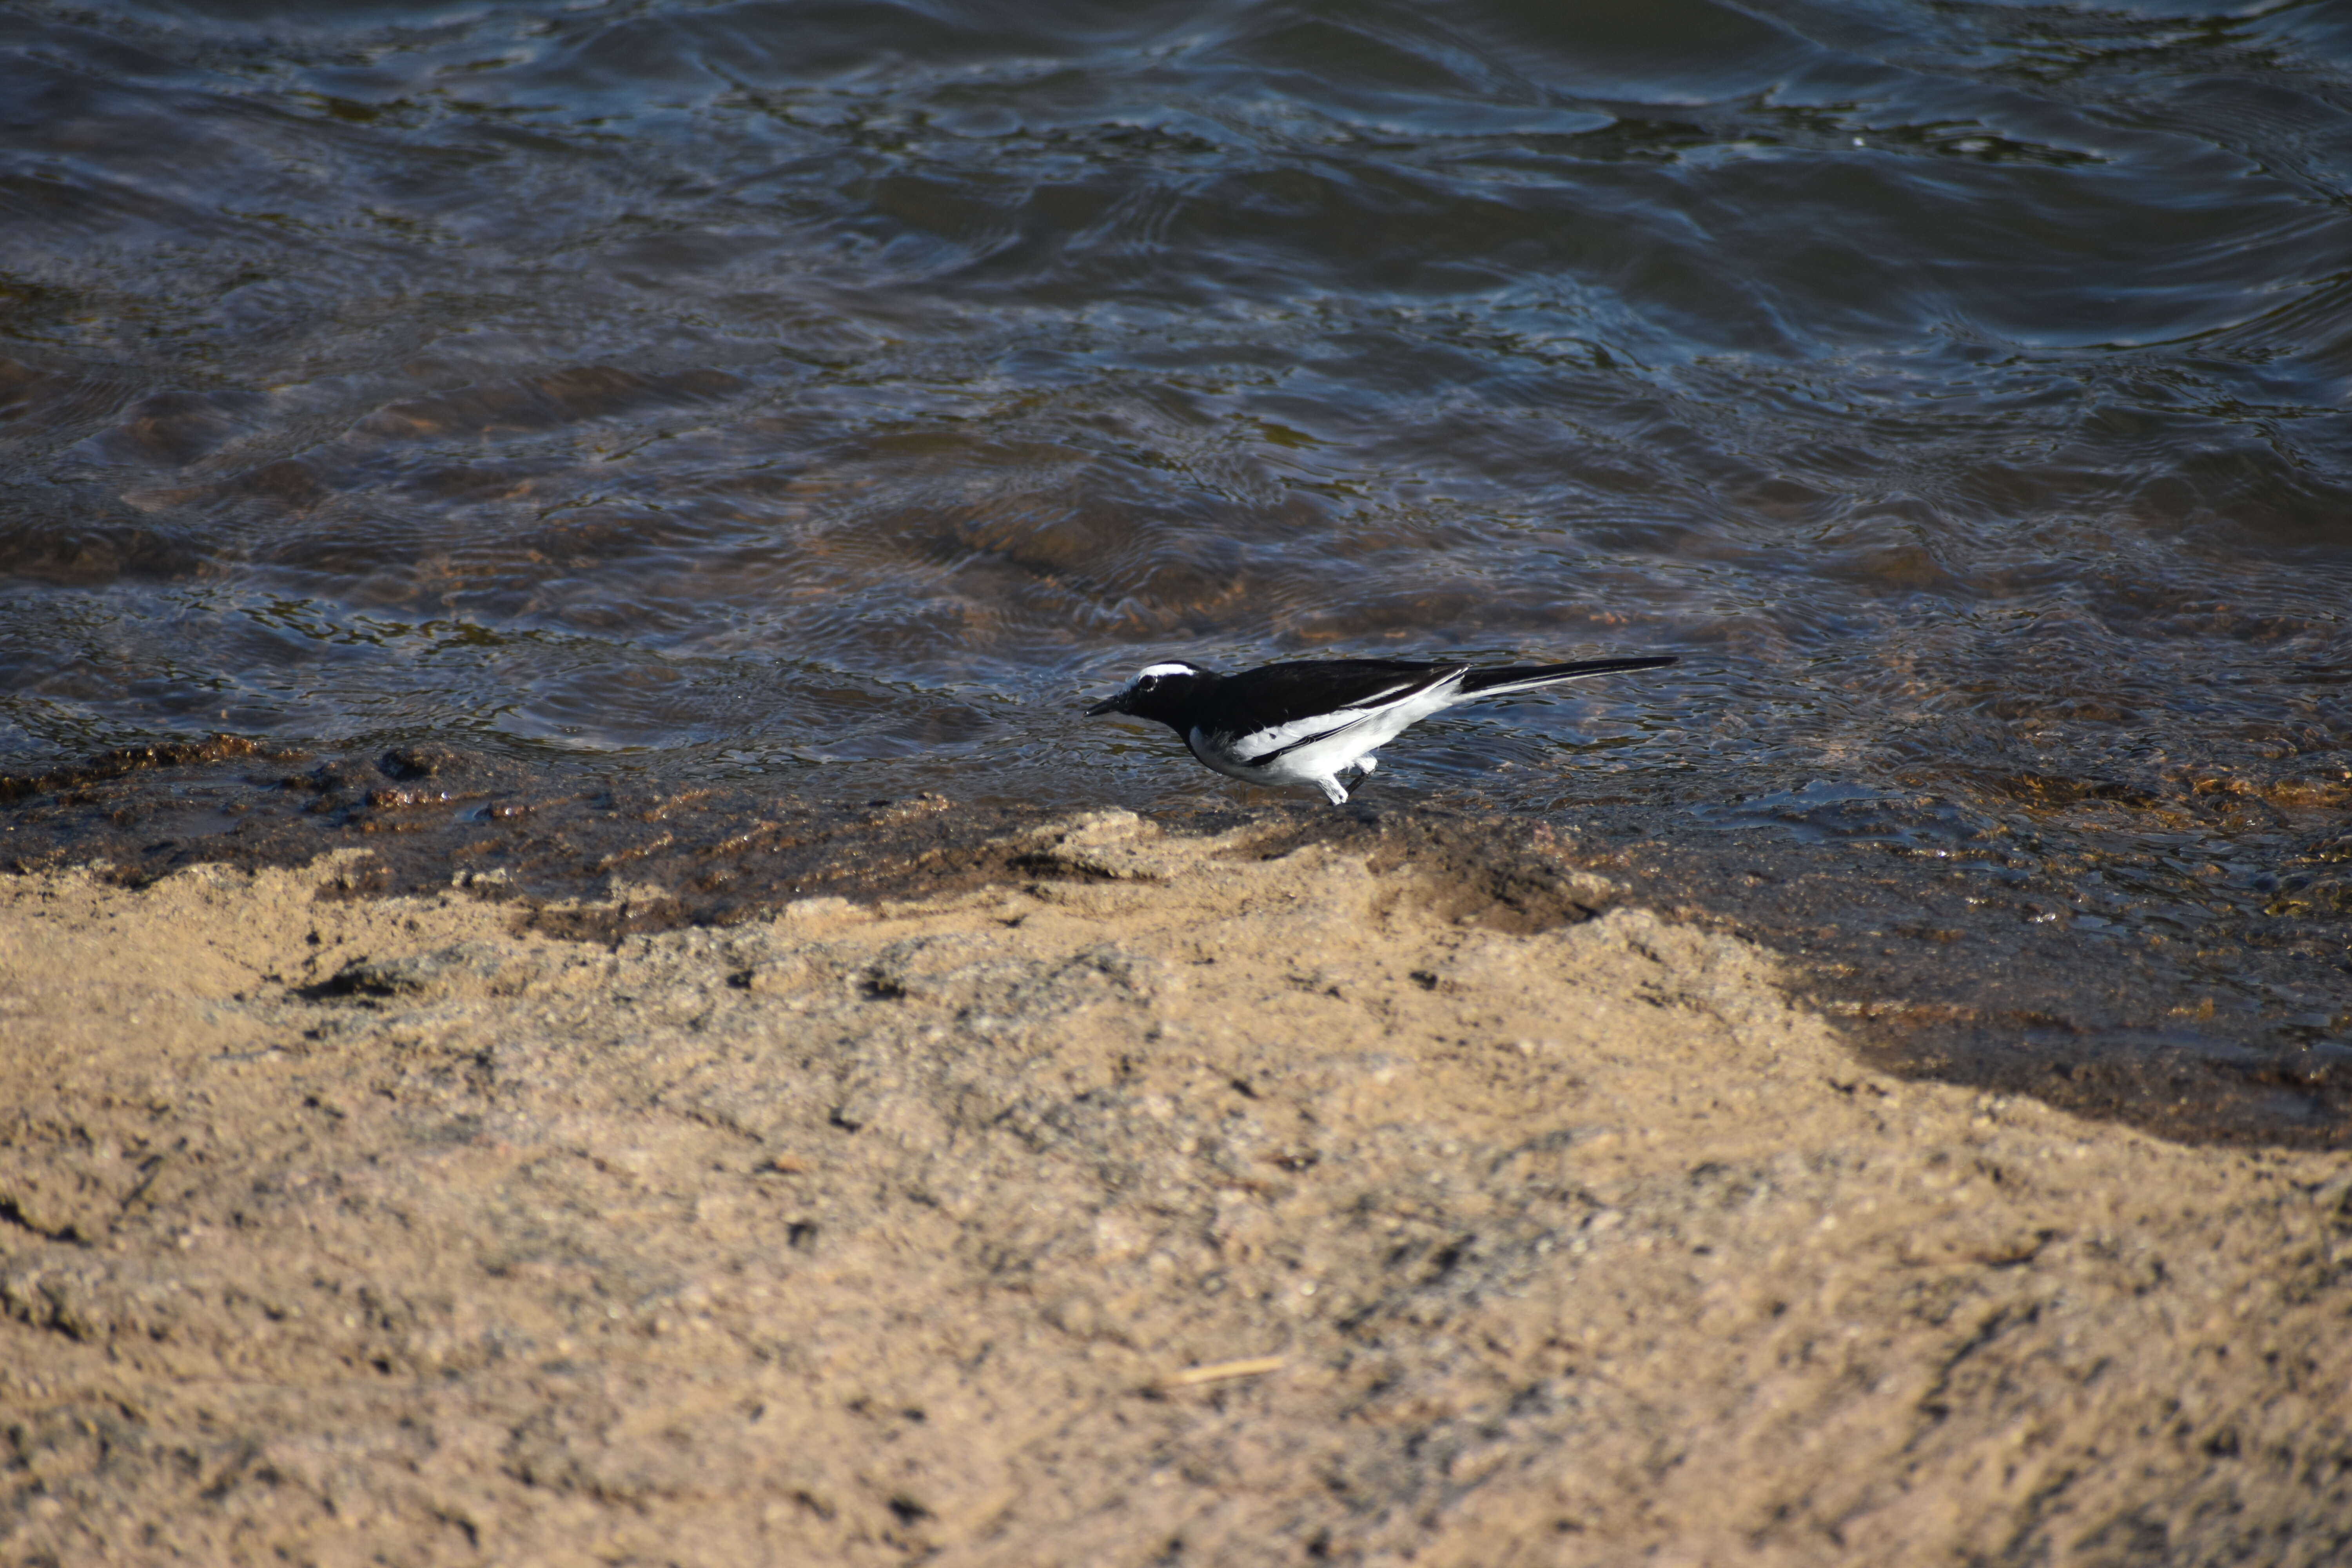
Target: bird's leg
x: 1331, y: 788
x: 1367, y: 762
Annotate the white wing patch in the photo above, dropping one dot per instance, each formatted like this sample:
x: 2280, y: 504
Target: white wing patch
x: 1147, y: 671
x: 1361, y: 703
x: 1383, y: 706
x: 1276, y: 737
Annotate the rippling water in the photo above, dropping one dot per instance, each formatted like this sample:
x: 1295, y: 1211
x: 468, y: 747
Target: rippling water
x: 843, y: 393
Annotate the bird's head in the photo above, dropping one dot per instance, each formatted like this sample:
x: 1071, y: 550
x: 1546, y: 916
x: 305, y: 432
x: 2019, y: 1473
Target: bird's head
x: 1159, y: 691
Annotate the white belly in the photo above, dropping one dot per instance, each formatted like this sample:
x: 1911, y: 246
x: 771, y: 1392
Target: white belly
x: 1319, y: 759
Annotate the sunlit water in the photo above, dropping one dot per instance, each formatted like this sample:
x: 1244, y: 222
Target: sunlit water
x: 845, y: 393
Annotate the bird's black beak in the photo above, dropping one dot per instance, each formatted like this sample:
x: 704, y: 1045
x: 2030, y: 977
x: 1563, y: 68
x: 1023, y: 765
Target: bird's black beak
x: 1107, y: 705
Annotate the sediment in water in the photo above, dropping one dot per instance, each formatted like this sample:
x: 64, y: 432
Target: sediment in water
x: 1932, y: 970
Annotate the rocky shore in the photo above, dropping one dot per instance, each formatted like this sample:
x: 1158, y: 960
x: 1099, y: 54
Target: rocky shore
x: 1162, y: 1199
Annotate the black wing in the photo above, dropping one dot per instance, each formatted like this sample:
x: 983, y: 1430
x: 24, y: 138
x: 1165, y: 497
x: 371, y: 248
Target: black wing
x: 1280, y: 694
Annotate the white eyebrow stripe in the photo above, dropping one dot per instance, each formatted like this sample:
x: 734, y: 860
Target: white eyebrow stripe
x: 1151, y: 670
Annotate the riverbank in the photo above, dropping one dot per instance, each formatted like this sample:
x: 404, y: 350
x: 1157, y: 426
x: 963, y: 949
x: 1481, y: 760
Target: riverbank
x: 1158, y: 1201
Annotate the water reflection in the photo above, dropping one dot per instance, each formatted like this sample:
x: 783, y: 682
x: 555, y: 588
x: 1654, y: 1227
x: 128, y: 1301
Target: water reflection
x: 838, y: 393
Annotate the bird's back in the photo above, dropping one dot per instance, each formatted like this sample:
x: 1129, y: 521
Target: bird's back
x: 1283, y: 693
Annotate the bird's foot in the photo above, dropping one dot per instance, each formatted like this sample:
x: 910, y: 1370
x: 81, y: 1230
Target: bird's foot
x: 1331, y: 788
x: 1366, y: 764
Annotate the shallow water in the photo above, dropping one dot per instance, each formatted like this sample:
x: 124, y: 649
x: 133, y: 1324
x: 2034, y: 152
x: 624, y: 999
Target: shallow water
x: 843, y: 394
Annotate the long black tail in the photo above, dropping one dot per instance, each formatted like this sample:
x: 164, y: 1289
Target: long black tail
x: 1529, y: 677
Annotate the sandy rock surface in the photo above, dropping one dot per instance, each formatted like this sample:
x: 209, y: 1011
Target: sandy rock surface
x: 1213, y: 1210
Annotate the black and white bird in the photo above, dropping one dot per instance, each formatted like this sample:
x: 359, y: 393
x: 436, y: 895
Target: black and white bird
x: 1309, y: 722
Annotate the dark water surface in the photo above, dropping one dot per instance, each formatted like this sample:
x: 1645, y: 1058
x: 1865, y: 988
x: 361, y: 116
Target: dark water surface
x: 830, y: 398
